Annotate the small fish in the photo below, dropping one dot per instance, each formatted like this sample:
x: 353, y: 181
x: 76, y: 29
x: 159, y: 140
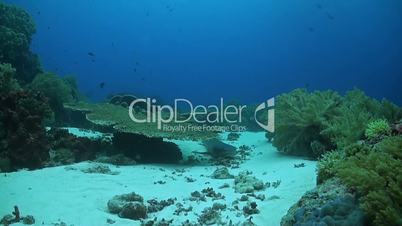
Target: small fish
x: 38, y: 12
x: 135, y: 69
x: 101, y: 85
x: 331, y: 17
x: 311, y: 29
x: 91, y: 54
x: 48, y: 27
x: 318, y: 5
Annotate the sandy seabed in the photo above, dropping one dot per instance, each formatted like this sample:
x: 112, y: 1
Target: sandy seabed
x: 59, y: 194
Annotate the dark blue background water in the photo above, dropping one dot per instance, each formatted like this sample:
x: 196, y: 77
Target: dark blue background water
x: 202, y: 50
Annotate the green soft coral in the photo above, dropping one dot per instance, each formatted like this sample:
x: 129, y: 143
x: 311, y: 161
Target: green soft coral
x: 377, y: 177
x: 57, y: 89
x: 300, y: 119
x: 357, y: 110
x: 377, y: 128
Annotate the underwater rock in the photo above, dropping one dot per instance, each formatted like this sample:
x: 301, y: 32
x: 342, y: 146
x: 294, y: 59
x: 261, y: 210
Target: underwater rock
x: 146, y: 149
x: 250, y: 209
x: 328, y: 204
x: 110, y: 221
x: 210, y: 216
x: 115, y: 205
x: 7, y: 219
x: 28, y: 219
x: 181, y: 209
x: 156, y: 206
x: 155, y: 222
x: 133, y: 211
x: 100, y: 169
x: 197, y: 196
x: 219, y: 206
x: 245, y: 183
x: 129, y: 206
x: 209, y: 192
x: 222, y: 173
x: 16, y: 217
x: 300, y: 165
x: 233, y: 136
x: 217, y: 148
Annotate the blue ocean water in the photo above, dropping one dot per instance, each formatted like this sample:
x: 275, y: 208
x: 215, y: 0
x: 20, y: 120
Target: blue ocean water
x: 206, y: 49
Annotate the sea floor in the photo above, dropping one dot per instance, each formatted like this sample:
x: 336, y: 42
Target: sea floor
x: 67, y: 194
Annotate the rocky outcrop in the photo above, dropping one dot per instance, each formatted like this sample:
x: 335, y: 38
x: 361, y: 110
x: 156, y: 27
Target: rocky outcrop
x: 328, y: 204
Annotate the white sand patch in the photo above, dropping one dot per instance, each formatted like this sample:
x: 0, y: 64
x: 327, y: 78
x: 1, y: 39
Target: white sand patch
x: 78, y: 198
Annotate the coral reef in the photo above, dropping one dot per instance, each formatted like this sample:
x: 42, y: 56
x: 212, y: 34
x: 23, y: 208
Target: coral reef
x: 328, y: 204
x: 23, y: 140
x: 311, y: 124
x: 376, y: 176
x: 111, y: 118
x: 16, y: 30
x: 67, y: 148
x: 8, y: 83
x: 146, y: 149
x: 373, y: 171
